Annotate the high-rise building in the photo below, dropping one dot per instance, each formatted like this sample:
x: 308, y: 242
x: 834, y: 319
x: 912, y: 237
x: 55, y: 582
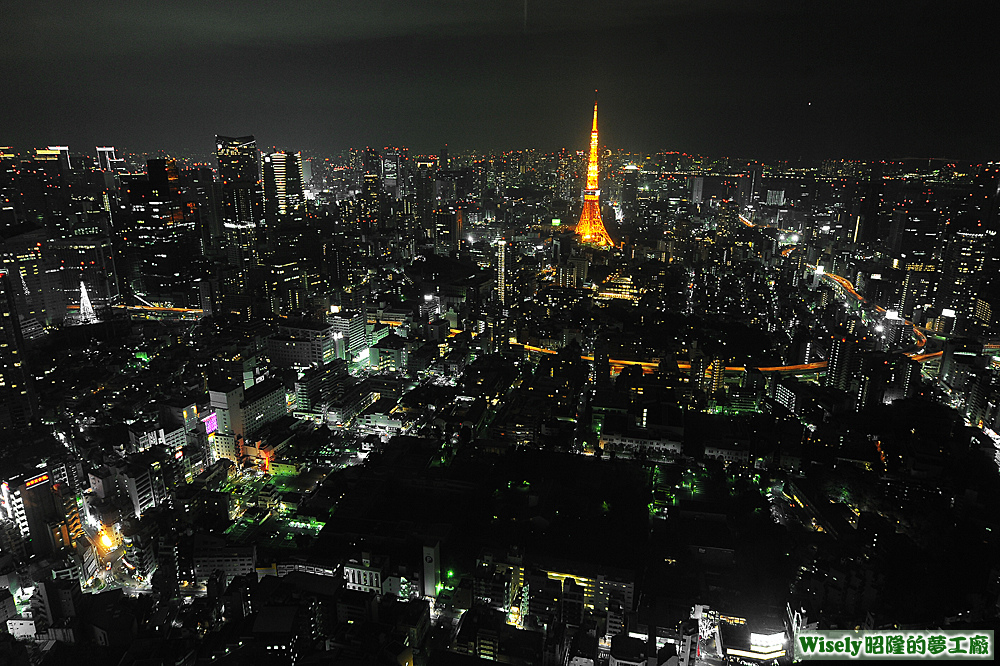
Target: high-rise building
x: 565, y: 174
x: 502, y: 272
x: 87, y: 260
x: 371, y: 196
x: 242, y: 203
x: 963, y: 259
x: 35, y: 276
x: 423, y: 190
x: 985, y: 196
x: 352, y: 326
x: 371, y: 161
x: 630, y: 186
x: 591, y: 229
x: 883, y: 378
x: 44, y: 511
x: 393, y: 176
x: 17, y: 406
x: 108, y: 160
x: 307, y: 172
x: 59, y: 154
x: 305, y: 344
x: 162, y: 237
x: 914, y: 235
x: 867, y: 226
x: 844, y: 359
x: 448, y: 222
x: 918, y: 289
x: 283, y: 185
x: 894, y: 330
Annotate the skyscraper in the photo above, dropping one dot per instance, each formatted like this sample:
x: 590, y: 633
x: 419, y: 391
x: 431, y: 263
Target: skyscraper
x: 591, y: 228
x: 90, y: 260
x: 985, y: 196
x: 867, y: 225
x: 283, y: 185
x: 502, y: 272
x: 393, y: 178
x: 107, y: 160
x: 17, y: 408
x: 844, y: 359
x: 963, y: 259
x: 163, y: 241
x: 241, y: 194
x: 371, y: 196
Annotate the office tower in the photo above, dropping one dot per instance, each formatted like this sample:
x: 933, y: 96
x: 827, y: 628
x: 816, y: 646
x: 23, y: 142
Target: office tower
x: 284, y: 193
x: 352, y: 326
x: 164, y: 177
x: 844, y: 360
x: 423, y: 190
x: 285, y: 284
x: 961, y: 358
x: 355, y: 162
x: 747, y: 187
x: 44, y: 511
x: 443, y: 162
x: 107, y: 159
x: 883, y: 378
x: 371, y: 161
x: 307, y: 173
x: 35, y: 277
x: 630, y: 186
x: 448, y: 222
x: 870, y: 207
x: 914, y: 235
x: 392, y: 172
x: 894, y: 330
x: 453, y: 186
x: 305, y: 344
x: 371, y: 196
x: 565, y: 174
x: 17, y: 406
x: 502, y: 272
x: 591, y: 228
x: 242, y: 202
x: 57, y: 154
x: 87, y: 260
x: 199, y: 189
x: 962, y: 264
x: 985, y: 197
x: 161, y: 243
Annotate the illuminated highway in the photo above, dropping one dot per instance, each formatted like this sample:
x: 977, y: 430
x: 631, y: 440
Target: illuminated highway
x: 650, y: 366
x: 920, y: 336
x: 805, y: 368
x: 148, y: 308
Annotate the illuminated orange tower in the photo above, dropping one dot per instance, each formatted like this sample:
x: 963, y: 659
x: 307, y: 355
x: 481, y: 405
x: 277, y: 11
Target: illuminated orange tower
x: 591, y: 229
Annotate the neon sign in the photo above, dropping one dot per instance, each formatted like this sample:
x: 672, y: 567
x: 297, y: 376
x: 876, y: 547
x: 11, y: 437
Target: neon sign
x: 35, y: 481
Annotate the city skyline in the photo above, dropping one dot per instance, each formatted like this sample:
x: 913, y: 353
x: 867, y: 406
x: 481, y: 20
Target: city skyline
x: 775, y: 80
x: 327, y: 337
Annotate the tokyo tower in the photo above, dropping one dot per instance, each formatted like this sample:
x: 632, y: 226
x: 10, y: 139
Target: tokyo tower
x: 591, y: 229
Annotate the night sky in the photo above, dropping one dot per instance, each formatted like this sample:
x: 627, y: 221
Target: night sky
x: 766, y: 79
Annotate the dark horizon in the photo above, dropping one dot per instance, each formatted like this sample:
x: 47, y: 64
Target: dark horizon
x: 777, y: 80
